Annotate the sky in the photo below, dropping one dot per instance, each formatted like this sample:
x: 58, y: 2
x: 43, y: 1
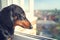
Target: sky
x: 46, y: 4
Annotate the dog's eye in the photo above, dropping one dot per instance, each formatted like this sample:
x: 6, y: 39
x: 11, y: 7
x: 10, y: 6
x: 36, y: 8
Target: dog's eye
x: 22, y: 15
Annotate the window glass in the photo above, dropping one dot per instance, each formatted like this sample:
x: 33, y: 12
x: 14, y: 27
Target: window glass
x: 26, y: 5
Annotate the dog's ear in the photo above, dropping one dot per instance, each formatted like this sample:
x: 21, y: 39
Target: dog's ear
x: 0, y: 13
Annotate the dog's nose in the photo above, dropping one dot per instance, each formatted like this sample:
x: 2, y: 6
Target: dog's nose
x: 30, y: 27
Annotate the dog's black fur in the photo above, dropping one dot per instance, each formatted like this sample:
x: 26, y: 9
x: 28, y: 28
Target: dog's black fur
x: 7, y: 20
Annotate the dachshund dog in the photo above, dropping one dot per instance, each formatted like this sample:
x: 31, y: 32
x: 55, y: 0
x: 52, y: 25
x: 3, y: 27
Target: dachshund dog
x: 10, y: 17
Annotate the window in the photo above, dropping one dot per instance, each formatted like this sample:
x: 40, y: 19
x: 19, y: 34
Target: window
x: 26, y: 5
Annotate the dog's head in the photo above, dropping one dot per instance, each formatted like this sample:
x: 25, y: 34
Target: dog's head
x: 15, y: 15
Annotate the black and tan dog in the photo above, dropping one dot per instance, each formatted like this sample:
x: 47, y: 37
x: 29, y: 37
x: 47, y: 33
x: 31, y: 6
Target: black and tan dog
x: 11, y: 16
